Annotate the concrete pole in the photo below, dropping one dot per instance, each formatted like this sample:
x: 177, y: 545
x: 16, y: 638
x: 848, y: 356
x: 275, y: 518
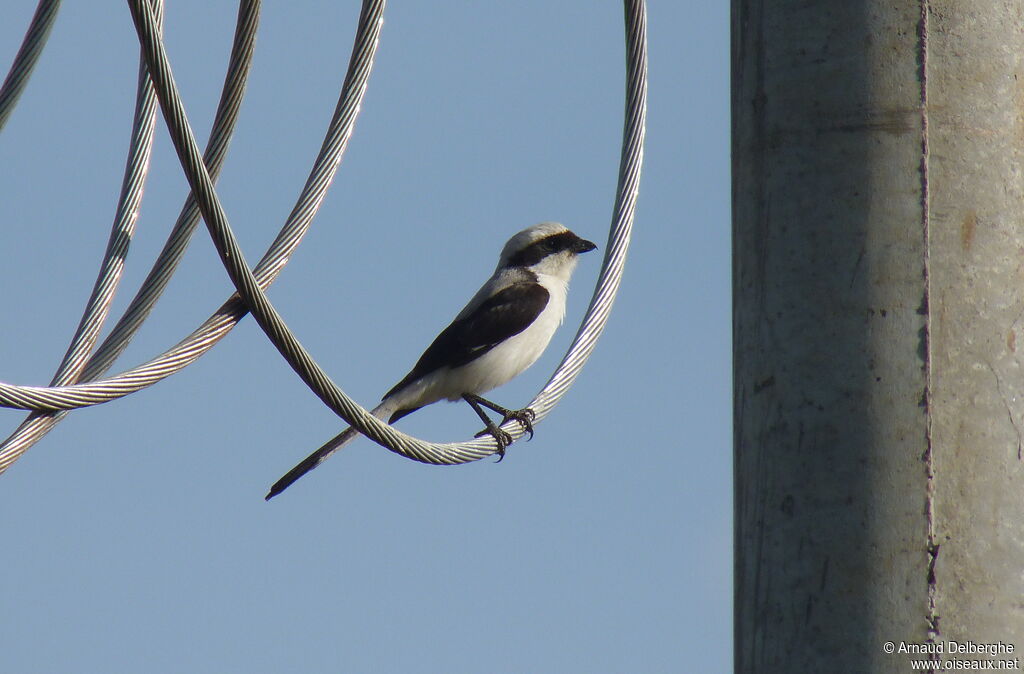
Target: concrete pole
x: 878, y: 271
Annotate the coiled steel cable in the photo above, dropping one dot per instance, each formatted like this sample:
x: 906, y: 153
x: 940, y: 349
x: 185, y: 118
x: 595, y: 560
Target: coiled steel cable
x: 630, y: 164
x: 50, y: 399
x: 97, y: 307
x: 58, y: 398
x: 199, y: 341
x: 289, y: 346
x: 39, y: 423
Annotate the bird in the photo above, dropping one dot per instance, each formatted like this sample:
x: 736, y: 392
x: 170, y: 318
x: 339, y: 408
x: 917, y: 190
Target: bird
x: 502, y: 330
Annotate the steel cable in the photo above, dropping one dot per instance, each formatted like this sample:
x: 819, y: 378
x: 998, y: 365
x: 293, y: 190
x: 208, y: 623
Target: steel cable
x: 37, y: 425
x: 25, y: 60
x: 620, y: 231
x: 58, y: 398
x: 215, y: 327
x: 97, y: 307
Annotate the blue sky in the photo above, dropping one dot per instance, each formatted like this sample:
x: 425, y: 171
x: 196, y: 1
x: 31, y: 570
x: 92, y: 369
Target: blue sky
x: 135, y: 535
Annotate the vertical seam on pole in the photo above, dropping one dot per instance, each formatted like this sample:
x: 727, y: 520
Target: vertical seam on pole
x: 932, y: 547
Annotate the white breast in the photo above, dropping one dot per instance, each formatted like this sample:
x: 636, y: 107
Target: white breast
x: 505, y: 361
x: 499, y: 365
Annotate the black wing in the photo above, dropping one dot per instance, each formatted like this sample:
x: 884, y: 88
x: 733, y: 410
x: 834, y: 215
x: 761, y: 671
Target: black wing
x: 501, y: 316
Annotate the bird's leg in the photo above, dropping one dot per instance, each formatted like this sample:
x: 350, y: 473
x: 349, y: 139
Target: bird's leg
x: 501, y: 437
x: 524, y: 416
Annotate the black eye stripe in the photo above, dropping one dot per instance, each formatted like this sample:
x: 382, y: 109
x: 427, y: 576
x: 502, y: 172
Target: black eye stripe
x: 540, y: 249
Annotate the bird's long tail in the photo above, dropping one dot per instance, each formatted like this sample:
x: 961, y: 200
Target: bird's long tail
x: 382, y: 412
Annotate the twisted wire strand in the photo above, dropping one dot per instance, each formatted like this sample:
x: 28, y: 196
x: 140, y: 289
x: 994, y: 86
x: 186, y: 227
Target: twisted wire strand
x: 287, y: 344
x: 39, y: 422
x: 49, y: 399
x: 224, y: 121
x: 190, y: 348
x: 28, y: 54
x: 620, y: 232
x: 111, y: 267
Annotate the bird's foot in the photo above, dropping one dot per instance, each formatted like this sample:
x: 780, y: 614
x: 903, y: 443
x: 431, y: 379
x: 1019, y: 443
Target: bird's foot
x: 524, y: 416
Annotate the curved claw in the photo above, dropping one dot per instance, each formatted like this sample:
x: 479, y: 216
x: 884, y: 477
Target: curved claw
x: 525, y: 418
x: 501, y: 437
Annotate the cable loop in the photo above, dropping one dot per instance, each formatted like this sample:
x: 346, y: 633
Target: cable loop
x: 50, y: 403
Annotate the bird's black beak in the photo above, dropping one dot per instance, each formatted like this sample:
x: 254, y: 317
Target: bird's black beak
x: 583, y: 246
